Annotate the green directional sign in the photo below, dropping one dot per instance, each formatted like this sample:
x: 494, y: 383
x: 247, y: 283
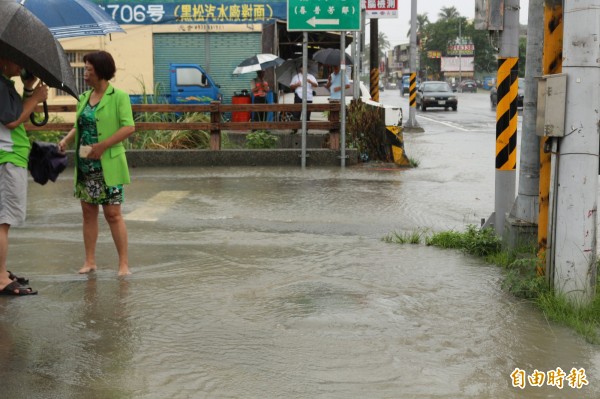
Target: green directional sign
x: 323, y: 15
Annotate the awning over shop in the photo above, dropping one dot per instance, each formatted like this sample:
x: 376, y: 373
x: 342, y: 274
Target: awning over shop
x: 290, y: 43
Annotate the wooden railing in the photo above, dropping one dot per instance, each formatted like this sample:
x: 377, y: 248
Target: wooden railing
x: 218, y: 123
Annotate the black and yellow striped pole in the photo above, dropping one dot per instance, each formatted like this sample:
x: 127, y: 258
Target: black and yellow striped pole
x: 506, y: 139
x: 412, y: 99
x: 506, y: 114
x: 374, y: 83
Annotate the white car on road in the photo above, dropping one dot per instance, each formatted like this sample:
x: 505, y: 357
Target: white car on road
x: 321, y: 94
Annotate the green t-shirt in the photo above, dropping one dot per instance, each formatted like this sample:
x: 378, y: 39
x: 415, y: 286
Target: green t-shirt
x: 14, y: 144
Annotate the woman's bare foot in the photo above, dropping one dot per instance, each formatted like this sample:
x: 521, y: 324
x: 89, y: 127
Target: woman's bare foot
x: 124, y: 271
x: 87, y: 269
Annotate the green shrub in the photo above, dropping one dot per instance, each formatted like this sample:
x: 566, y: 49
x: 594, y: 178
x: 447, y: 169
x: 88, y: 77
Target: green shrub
x: 261, y: 139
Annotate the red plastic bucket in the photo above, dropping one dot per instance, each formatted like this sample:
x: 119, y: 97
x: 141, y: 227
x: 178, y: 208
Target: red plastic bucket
x: 239, y: 116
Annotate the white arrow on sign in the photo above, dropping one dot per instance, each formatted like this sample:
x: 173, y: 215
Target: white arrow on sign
x: 314, y: 21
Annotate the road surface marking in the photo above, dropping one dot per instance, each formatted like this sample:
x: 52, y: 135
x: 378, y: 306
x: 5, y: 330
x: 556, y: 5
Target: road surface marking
x: 446, y: 123
x: 152, y: 209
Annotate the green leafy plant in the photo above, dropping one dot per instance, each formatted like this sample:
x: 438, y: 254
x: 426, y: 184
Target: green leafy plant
x: 261, y: 139
x: 177, y: 139
x: 170, y: 139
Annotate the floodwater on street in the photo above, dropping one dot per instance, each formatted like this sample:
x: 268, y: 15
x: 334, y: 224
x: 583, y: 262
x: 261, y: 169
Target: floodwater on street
x: 276, y: 283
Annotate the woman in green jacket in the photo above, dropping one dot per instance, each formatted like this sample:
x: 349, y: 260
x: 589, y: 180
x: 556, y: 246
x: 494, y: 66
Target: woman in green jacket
x: 103, y: 121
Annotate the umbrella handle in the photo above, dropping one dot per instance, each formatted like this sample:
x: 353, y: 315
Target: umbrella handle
x: 42, y: 123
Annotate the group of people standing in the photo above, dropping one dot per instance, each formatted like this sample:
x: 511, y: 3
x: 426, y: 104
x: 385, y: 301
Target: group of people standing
x: 103, y: 121
x: 260, y: 89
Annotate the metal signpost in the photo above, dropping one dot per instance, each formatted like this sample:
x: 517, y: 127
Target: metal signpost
x: 323, y: 15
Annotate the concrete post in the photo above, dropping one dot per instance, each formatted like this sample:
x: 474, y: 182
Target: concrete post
x: 343, y: 96
x: 506, y: 148
x: 522, y: 222
x: 577, y: 191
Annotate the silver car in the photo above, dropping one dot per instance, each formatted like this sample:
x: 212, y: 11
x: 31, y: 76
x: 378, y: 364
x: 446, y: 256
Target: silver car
x: 436, y: 94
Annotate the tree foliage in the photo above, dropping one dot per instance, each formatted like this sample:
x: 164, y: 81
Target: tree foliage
x: 437, y: 36
x: 383, y: 44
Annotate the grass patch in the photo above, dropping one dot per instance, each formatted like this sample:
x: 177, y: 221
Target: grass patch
x: 520, y: 275
x: 415, y: 237
x: 413, y: 162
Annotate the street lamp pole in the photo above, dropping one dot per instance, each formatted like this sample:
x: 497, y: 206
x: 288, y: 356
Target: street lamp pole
x: 459, y: 52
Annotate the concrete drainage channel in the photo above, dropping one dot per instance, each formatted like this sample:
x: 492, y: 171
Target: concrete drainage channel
x: 288, y: 153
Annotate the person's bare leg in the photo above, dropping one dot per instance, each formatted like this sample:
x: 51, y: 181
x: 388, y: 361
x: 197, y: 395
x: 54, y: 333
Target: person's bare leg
x: 90, y: 235
x: 4, y: 280
x: 115, y: 220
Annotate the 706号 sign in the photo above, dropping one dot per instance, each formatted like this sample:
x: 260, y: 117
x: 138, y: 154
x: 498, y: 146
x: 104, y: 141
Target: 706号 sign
x: 323, y: 15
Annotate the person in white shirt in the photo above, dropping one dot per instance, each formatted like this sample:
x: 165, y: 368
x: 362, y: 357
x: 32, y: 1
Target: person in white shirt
x: 296, y: 85
x: 334, y: 83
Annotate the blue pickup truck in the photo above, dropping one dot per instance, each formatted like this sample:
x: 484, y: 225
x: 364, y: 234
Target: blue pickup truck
x: 189, y: 84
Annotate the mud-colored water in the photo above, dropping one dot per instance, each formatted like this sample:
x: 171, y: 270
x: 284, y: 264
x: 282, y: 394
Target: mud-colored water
x: 275, y: 283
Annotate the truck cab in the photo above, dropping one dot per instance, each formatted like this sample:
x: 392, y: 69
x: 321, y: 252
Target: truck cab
x: 190, y: 84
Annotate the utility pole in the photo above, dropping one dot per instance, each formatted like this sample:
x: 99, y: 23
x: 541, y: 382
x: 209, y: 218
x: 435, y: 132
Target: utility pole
x: 551, y: 64
x: 304, y: 94
x: 577, y: 177
x: 412, y: 124
x: 374, y: 58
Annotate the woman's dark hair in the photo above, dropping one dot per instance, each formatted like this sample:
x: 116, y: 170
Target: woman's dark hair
x: 103, y: 64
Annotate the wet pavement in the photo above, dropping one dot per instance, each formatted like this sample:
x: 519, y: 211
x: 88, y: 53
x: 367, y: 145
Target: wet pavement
x: 275, y: 283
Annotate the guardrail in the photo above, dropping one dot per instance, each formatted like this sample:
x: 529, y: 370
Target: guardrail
x: 218, y: 123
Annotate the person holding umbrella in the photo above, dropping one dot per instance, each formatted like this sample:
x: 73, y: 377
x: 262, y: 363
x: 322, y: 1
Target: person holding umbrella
x: 334, y: 83
x: 296, y: 85
x: 14, y: 157
x: 260, y: 88
x: 104, y: 120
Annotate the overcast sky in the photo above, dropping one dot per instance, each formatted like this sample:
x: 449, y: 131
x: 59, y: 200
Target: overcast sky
x: 397, y: 28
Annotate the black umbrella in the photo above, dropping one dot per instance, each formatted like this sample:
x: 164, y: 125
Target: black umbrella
x: 286, y: 71
x: 330, y: 56
x: 25, y: 40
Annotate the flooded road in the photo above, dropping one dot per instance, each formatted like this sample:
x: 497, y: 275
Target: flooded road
x: 275, y: 283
